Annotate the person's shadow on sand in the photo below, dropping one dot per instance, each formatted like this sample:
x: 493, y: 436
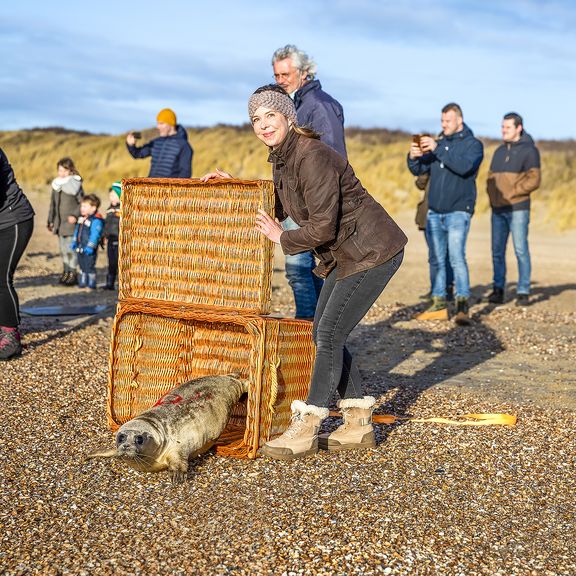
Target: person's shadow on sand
x: 401, y: 357
x: 538, y: 294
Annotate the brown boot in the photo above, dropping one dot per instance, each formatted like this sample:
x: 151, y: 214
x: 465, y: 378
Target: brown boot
x: 356, y: 431
x: 438, y: 310
x: 462, y: 317
x: 301, y: 437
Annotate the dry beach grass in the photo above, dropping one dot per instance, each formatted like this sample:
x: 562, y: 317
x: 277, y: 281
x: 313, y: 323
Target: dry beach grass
x: 430, y: 499
x: 378, y: 157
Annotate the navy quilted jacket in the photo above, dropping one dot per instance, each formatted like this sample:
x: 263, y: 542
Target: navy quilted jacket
x: 318, y: 110
x: 171, y: 155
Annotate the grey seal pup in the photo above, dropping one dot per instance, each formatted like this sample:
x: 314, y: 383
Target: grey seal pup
x: 184, y: 423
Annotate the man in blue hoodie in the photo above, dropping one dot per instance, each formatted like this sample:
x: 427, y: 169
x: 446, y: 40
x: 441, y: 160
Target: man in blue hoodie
x: 295, y: 71
x: 171, y: 153
x: 452, y: 160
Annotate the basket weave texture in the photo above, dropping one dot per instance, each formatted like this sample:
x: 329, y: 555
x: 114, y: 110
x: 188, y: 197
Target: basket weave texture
x: 157, y: 346
x: 192, y: 242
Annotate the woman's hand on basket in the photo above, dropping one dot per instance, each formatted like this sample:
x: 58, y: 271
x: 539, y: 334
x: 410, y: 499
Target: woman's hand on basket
x: 217, y: 174
x: 268, y: 226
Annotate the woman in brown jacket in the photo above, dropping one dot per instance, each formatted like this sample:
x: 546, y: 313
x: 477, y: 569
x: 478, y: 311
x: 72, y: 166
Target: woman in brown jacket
x: 359, y: 247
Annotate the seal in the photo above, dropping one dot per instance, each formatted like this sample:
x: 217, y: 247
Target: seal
x: 184, y: 423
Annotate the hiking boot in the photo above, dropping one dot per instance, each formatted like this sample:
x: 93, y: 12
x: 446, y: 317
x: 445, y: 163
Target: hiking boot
x: 63, y: 276
x: 10, y: 344
x: 110, y: 281
x: 496, y: 296
x: 301, y: 437
x: 438, y: 310
x: 356, y: 431
x: 462, y: 317
x: 71, y: 279
x: 522, y: 300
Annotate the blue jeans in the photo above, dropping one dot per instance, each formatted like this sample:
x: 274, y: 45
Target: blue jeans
x: 87, y: 264
x: 432, y: 268
x: 517, y: 222
x: 305, y: 284
x: 448, y: 233
x: 342, y: 304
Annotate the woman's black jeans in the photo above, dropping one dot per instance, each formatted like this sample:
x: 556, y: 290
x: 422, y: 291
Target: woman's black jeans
x: 13, y: 242
x: 341, y: 306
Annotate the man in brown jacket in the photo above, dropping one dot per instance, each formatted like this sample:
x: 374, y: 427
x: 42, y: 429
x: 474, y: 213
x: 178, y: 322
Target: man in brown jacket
x: 514, y: 175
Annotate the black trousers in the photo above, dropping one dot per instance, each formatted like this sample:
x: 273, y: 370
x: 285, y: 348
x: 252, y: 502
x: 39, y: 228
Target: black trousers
x: 13, y: 242
x: 112, y: 246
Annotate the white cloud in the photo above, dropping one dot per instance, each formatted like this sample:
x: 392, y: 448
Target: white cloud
x: 391, y: 64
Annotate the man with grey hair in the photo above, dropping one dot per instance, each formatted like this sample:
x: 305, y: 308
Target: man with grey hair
x: 295, y: 71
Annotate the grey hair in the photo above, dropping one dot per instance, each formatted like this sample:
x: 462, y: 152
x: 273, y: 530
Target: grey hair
x: 299, y: 58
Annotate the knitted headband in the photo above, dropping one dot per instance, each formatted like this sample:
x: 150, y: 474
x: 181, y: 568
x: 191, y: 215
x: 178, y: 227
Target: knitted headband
x: 273, y: 98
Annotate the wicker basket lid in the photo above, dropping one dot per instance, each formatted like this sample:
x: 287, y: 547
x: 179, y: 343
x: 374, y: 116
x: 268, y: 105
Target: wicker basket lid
x: 192, y: 242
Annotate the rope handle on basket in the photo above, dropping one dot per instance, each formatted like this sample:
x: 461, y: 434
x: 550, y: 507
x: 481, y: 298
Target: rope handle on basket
x: 471, y: 419
x: 273, y: 384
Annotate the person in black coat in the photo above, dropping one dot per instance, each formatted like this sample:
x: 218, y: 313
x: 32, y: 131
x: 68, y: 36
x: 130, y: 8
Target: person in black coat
x: 16, y: 226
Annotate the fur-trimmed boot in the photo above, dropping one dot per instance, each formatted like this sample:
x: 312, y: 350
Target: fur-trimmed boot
x: 357, y: 430
x: 301, y: 437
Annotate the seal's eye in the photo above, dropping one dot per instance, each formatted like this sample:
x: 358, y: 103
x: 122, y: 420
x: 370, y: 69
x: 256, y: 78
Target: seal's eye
x: 121, y: 438
x: 139, y: 440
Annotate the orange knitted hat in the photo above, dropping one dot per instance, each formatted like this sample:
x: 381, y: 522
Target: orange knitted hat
x: 167, y: 116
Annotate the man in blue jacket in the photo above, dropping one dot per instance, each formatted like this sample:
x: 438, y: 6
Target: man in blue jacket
x: 295, y: 71
x: 171, y: 153
x: 452, y: 160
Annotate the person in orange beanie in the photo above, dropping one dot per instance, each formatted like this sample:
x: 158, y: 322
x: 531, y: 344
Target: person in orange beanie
x: 171, y: 152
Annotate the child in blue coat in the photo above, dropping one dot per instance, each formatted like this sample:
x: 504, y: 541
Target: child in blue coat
x: 87, y: 235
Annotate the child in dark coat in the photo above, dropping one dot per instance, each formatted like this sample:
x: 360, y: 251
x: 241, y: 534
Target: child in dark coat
x: 111, y: 233
x: 87, y: 235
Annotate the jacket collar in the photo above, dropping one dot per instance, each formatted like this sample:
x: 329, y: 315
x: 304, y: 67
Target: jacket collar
x: 464, y: 133
x: 279, y: 156
x: 308, y: 87
x: 525, y: 138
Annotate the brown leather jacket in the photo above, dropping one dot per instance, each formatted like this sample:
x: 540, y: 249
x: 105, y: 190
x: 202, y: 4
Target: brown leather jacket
x: 339, y: 221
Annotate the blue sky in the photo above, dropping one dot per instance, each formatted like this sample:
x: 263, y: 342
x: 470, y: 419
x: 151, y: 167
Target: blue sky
x: 110, y: 66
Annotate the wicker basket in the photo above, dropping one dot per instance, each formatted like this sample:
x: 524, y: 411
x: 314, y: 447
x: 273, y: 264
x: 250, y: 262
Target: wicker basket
x: 191, y: 242
x: 156, y: 347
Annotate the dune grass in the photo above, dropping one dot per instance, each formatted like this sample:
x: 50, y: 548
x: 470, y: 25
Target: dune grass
x: 378, y: 157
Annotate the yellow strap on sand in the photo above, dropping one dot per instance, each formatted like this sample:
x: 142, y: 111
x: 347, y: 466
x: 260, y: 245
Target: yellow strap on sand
x: 464, y: 419
x: 469, y: 419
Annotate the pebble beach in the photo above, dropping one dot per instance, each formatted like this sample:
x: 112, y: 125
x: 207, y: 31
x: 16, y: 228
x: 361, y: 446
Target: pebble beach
x: 430, y: 499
